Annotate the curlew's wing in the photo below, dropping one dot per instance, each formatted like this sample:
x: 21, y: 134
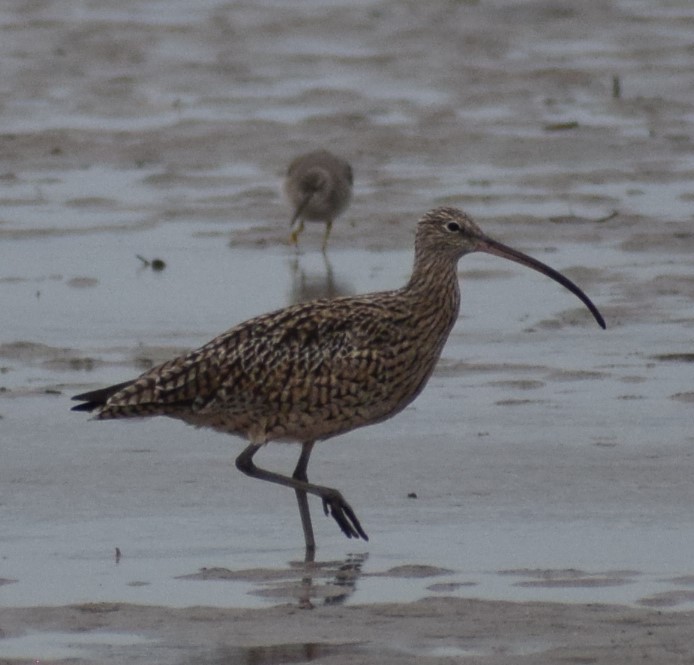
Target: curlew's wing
x: 166, y: 388
x: 305, y: 358
x: 298, y: 355
x: 326, y: 366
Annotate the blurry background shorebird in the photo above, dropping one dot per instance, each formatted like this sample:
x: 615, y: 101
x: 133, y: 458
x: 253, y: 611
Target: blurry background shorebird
x: 314, y: 370
x: 318, y: 185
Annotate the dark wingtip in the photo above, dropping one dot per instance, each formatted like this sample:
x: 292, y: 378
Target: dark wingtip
x: 86, y: 406
x: 96, y: 398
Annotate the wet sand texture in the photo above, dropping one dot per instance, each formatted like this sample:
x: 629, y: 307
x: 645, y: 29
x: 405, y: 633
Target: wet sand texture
x: 551, y: 462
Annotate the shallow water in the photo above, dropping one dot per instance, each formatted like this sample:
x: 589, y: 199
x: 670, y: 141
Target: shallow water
x: 542, y: 444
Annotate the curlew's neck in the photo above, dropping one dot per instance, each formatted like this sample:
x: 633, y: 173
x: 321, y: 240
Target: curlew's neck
x: 434, y: 290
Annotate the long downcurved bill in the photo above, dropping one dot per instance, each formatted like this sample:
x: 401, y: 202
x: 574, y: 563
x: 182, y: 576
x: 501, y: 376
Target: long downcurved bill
x: 490, y: 246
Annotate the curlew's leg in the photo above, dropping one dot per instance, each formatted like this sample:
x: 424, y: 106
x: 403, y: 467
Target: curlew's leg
x: 302, y: 497
x: 333, y: 502
x: 328, y: 228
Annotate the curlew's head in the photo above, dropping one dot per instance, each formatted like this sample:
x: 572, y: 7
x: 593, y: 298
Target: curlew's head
x: 451, y: 232
x: 447, y: 230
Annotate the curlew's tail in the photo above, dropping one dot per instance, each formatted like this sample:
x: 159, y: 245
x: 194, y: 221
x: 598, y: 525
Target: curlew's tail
x: 96, y: 398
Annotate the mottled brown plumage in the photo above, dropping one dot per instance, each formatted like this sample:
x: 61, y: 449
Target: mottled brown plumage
x: 318, y: 186
x: 318, y: 369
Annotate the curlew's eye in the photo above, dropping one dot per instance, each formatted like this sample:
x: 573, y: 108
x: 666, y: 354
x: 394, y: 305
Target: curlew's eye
x: 453, y: 227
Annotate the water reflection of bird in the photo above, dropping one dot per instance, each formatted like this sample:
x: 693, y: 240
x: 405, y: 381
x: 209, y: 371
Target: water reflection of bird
x: 332, y: 581
x: 315, y: 370
x: 313, y: 286
x: 318, y: 186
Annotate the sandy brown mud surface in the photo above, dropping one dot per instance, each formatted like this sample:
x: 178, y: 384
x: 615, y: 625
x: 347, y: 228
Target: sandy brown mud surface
x: 551, y: 461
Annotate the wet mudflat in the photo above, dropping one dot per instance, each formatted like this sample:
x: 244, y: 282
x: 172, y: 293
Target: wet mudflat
x: 551, y: 461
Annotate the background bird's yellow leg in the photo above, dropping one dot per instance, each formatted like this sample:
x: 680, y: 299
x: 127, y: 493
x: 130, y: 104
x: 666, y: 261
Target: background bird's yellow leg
x: 294, y: 237
x: 328, y: 228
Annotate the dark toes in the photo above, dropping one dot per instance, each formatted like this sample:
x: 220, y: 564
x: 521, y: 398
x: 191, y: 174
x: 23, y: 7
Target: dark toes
x: 343, y: 514
x: 355, y: 522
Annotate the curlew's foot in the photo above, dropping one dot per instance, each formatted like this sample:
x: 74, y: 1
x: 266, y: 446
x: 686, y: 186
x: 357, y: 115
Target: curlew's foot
x: 336, y: 506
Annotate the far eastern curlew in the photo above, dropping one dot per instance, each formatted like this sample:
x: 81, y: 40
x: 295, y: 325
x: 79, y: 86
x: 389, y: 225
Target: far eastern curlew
x: 318, y: 185
x: 322, y: 368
